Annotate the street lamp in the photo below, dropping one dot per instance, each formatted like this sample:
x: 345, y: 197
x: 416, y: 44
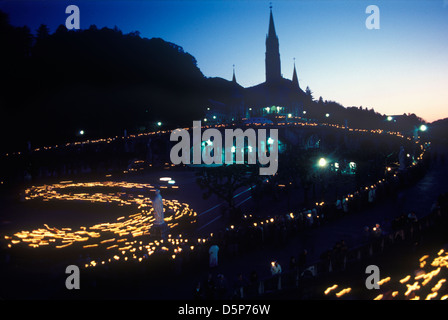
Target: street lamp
x: 327, y: 115
x: 421, y: 128
x: 322, y: 162
x: 81, y: 132
x: 159, y: 123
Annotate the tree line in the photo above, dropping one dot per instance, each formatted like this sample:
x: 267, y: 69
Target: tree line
x: 97, y: 83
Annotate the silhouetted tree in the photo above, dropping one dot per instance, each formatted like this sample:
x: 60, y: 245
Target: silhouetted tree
x: 43, y: 32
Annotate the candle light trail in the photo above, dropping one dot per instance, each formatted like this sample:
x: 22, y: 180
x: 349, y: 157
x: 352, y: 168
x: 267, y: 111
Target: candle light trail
x: 107, y: 236
x: 423, y: 277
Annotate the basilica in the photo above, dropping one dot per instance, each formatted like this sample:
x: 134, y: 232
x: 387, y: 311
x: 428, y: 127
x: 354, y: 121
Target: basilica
x: 277, y: 97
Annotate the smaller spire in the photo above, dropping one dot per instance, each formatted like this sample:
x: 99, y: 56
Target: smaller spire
x: 234, y: 78
x: 295, y: 80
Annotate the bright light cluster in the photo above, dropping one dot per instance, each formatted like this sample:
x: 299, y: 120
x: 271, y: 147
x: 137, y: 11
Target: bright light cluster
x: 120, y: 237
x: 412, y: 287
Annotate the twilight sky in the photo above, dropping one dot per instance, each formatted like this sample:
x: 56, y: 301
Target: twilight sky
x: 400, y: 68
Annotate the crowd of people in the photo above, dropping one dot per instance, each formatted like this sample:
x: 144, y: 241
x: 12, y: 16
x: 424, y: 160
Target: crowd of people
x: 254, y: 233
x: 250, y: 232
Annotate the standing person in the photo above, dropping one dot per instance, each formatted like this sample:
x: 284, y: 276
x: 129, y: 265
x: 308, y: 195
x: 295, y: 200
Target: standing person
x: 293, y: 264
x: 239, y: 285
x: 213, y: 256
x: 221, y: 287
x: 345, y: 205
x: 198, y: 292
x: 339, y: 205
x: 210, y: 288
x: 371, y: 196
x: 276, y: 269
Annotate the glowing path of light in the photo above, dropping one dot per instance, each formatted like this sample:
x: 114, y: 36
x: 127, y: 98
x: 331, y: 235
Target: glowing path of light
x: 410, y: 289
x: 114, y: 240
x: 294, y: 122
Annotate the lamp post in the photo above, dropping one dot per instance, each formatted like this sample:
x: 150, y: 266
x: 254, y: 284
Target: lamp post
x: 421, y: 128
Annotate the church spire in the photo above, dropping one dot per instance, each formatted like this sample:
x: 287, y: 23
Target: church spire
x: 295, y: 80
x: 273, y: 69
x: 271, y: 32
x: 234, y: 78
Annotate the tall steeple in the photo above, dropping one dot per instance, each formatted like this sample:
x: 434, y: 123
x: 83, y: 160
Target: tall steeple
x: 295, y: 80
x: 234, y: 78
x: 271, y: 31
x: 273, y: 69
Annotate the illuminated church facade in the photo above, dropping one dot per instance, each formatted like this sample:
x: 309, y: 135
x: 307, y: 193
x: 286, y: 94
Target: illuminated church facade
x: 274, y: 98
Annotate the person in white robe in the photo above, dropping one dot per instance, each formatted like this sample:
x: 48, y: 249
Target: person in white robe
x: 157, y: 204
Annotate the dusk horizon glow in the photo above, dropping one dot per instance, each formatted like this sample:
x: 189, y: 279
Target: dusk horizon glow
x: 400, y: 68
